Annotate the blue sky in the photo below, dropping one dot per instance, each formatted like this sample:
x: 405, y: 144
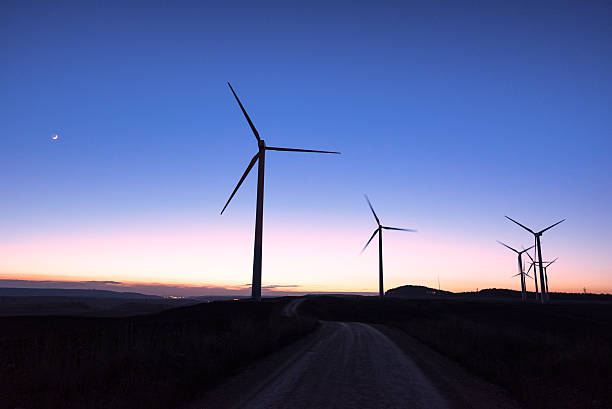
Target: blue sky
x: 448, y: 115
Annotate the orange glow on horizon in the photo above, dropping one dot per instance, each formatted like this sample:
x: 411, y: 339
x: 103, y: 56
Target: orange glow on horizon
x: 214, y: 257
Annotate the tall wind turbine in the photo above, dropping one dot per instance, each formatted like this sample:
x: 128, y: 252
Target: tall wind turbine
x: 538, y: 248
x: 379, y: 230
x: 521, y: 272
x: 261, y: 156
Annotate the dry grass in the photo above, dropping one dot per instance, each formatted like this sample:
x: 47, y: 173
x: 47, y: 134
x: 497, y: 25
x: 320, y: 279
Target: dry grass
x: 153, y: 361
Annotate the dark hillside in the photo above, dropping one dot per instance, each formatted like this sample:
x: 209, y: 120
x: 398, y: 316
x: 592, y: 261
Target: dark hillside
x: 86, y: 306
x: 70, y: 292
x: 152, y: 361
x: 417, y: 291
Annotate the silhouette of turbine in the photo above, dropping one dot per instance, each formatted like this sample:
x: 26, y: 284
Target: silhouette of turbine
x: 521, y: 272
x: 379, y: 230
x: 546, y: 265
x: 261, y: 156
x: 546, y: 273
x: 538, y: 248
x: 526, y: 275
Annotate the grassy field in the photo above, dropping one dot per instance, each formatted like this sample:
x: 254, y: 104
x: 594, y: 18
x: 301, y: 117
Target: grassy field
x: 553, y: 356
x: 86, y: 306
x: 153, y: 361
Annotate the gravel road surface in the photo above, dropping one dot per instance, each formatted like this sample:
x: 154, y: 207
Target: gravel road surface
x: 348, y: 365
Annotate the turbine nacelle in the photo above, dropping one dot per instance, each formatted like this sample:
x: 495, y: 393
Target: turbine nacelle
x: 380, y: 227
x: 262, y: 147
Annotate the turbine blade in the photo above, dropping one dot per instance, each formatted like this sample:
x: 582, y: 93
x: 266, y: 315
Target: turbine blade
x: 397, y: 228
x: 552, y: 262
x: 524, y: 250
x: 372, y: 209
x: 524, y: 227
x: 505, y: 245
x: 374, y: 234
x: 530, y: 266
x: 245, y: 113
x: 550, y: 227
x: 244, y: 175
x: 529, y: 255
x: 516, y: 275
x: 272, y: 148
x: 529, y: 276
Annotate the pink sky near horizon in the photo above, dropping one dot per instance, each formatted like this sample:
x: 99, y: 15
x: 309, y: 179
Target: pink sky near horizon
x: 302, y: 256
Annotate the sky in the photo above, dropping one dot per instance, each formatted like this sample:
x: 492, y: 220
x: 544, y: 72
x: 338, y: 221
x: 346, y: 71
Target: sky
x: 449, y: 115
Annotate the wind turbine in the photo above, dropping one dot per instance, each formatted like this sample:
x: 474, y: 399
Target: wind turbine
x: 379, y: 230
x: 546, y: 274
x: 261, y: 156
x: 538, y: 248
x: 547, y: 264
x: 525, y: 274
x: 521, y: 270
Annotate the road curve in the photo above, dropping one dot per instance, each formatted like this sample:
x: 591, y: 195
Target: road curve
x: 344, y: 365
x: 291, y: 309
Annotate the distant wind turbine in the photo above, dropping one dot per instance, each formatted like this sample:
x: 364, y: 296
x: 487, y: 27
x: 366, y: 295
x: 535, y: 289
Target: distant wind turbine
x: 521, y: 272
x: 546, y: 272
x: 261, y: 156
x: 546, y: 265
x: 379, y: 230
x: 538, y: 249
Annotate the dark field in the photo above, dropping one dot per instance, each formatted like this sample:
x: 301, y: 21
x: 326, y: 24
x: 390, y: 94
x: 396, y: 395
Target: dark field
x: 86, y: 306
x: 154, y: 361
x: 552, y: 356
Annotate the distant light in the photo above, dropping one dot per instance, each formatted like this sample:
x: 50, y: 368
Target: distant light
x: 55, y: 137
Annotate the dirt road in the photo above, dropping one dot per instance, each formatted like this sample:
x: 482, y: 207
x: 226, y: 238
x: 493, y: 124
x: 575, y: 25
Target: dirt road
x: 341, y: 365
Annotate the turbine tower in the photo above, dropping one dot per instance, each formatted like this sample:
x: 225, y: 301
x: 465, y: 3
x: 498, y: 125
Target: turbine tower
x: 546, y: 275
x: 379, y: 230
x: 521, y: 272
x: 538, y: 248
x: 261, y: 156
x: 535, y: 276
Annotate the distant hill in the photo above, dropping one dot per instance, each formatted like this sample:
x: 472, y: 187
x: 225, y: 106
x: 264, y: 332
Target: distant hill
x: 418, y: 291
x: 63, y: 292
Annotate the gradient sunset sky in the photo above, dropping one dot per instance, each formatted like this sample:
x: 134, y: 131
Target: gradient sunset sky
x: 449, y: 115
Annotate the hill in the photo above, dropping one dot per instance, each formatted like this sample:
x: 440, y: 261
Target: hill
x: 417, y: 291
x: 64, y: 292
